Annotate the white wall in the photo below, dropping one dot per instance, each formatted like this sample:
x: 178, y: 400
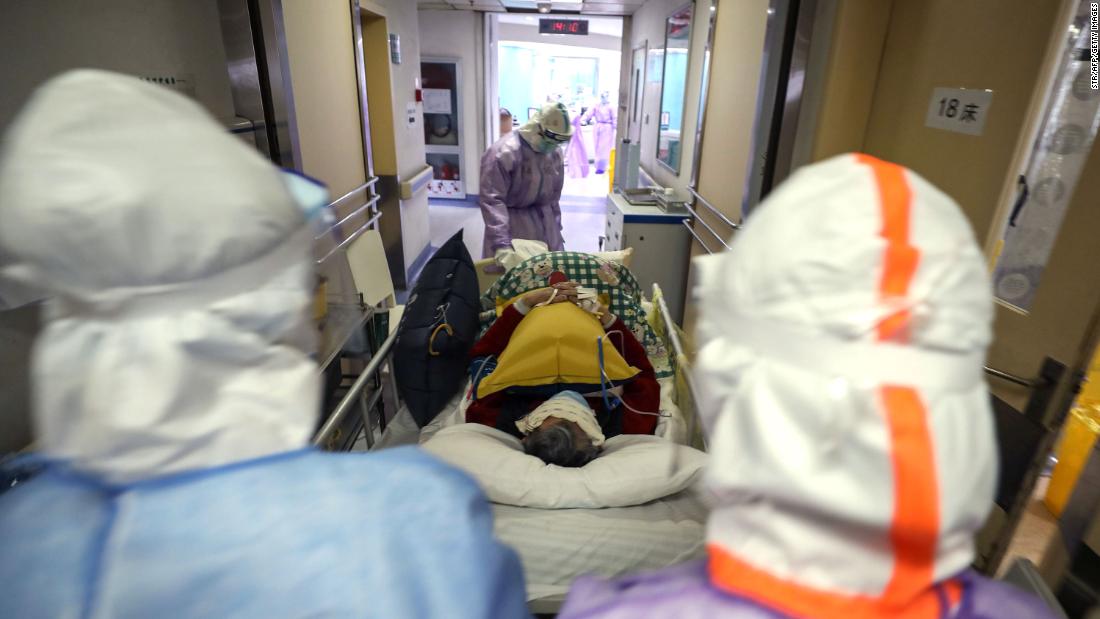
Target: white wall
x: 459, y: 34
x: 648, y: 25
x: 41, y: 38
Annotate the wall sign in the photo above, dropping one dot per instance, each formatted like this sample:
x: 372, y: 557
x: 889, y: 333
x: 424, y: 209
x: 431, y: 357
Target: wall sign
x: 437, y: 101
x: 395, y: 48
x: 962, y: 110
x: 563, y: 26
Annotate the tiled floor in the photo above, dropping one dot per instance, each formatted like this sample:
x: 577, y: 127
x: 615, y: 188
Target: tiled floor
x: 1036, y: 528
x: 582, y: 218
x: 593, y: 185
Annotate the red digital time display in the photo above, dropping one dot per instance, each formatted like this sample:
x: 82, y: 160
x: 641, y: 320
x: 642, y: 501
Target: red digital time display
x: 563, y: 26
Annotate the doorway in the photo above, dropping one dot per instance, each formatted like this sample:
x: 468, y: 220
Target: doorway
x: 582, y: 72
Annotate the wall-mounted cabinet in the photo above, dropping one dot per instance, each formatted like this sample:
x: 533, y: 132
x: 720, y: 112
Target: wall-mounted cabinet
x: 441, y: 79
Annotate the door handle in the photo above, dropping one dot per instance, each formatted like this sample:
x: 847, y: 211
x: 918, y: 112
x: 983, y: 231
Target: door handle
x: 1009, y: 377
x: 1021, y: 200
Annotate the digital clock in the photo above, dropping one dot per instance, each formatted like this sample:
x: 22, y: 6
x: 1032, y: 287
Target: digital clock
x: 563, y: 26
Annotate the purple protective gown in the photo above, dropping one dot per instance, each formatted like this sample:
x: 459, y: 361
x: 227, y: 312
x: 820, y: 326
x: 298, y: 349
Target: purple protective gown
x: 604, y: 115
x: 684, y: 592
x: 520, y: 189
x: 577, y: 155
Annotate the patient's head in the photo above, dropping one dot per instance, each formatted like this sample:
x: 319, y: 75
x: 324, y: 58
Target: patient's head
x: 561, y: 442
x: 562, y: 430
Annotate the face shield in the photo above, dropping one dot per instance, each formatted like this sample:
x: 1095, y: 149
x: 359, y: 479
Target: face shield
x: 549, y: 129
x: 551, y: 140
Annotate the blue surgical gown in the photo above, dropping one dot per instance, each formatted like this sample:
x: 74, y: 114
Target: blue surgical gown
x: 301, y: 534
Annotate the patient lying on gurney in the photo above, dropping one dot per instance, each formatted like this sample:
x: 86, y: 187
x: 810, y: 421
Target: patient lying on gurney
x: 556, y: 422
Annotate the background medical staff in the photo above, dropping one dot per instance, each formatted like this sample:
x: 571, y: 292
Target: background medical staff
x: 175, y: 394
x: 522, y: 175
x: 603, y: 114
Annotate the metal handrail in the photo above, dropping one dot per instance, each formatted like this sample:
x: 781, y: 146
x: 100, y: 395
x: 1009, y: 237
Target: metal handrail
x: 687, y: 224
x: 337, y: 417
x: 707, y: 226
x: 717, y: 213
x: 1012, y: 378
x: 373, y: 180
x: 351, y: 237
x: 366, y: 205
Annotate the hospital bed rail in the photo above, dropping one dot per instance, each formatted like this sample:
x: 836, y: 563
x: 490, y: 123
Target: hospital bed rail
x: 358, y: 395
x: 682, y: 367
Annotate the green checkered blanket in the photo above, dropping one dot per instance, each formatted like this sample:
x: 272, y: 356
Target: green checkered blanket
x: 608, y: 278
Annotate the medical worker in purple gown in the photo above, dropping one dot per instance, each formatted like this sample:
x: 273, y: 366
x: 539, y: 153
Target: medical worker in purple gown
x: 604, y: 116
x: 521, y: 179
x: 576, y: 156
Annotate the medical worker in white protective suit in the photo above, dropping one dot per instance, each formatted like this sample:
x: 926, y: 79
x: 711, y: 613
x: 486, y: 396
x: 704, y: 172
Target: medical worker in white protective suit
x: 852, y: 455
x: 174, y: 393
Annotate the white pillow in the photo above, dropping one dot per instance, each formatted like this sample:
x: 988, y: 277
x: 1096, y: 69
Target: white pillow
x: 621, y: 256
x: 522, y: 249
x: 632, y: 469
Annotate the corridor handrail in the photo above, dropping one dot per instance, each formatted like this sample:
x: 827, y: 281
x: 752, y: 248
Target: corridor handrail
x: 351, y: 237
x: 707, y: 226
x: 687, y: 224
x: 710, y: 207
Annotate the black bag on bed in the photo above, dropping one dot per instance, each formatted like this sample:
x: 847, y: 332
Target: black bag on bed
x: 437, y: 330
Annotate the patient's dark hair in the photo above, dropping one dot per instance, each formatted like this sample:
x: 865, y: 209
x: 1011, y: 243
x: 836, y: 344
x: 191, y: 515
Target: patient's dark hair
x: 555, y: 445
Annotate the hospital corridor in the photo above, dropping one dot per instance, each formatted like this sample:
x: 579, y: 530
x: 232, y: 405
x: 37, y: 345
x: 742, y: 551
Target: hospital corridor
x: 587, y: 309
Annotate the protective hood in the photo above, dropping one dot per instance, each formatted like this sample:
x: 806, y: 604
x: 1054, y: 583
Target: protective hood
x: 852, y: 446
x: 176, y: 264
x: 548, y: 129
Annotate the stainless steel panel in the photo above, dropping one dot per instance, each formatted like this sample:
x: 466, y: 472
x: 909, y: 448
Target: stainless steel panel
x: 792, y: 101
x: 361, y: 78
x: 274, y: 65
x: 244, y: 74
x: 783, y: 69
x: 704, y: 93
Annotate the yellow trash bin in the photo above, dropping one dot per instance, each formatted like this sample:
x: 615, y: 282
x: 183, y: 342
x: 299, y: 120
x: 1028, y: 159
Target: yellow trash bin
x: 1078, y: 438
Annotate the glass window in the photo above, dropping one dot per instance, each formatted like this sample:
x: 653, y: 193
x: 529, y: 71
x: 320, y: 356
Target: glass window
x: 673, y: 87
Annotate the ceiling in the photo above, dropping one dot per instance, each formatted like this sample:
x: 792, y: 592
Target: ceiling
x: 585, y: 7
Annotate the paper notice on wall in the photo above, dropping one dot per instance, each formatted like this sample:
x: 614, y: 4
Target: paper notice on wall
x: 437, y: 101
